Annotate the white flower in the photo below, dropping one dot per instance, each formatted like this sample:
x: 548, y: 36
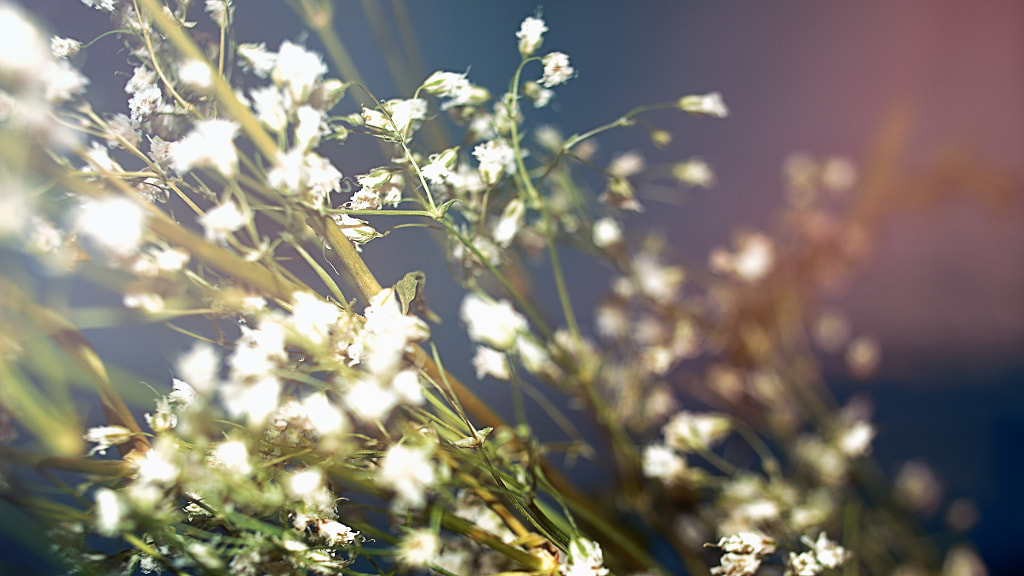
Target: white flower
x: 308, y: 128
x: 748, y: 543
x: 691, y: 432
x: 323, y: 415
x: 196, y: 74
x: 232, y: 457
x: 419, y: 548
x: 223, y: 220
x: 257, y: 58
x: 449, y: 85
x: 828, y: 553
x: 694, y: 172
x: 312, y: 317
x: 209, y: 144
x: 855, y: 440
x: 110, y: 511
x: 495, y: 324
x: 409, y: 471
x: 585, y: 559
x: 297, y: 70
x: 661, y: 462
x: 440, y: 166
x: 64, y: 48
x: 530, y: 35
x: 256, y: 401
x: 733, y: 564
x: 220, y: 11
x: 115, y: 223
x: 181, y: 393
x: 356, y: 230
x: 606, y: 233
x: 370, y: 400
x: 754, y: 258
x: 199, y: 369
x: 627, y: 164
x: 106, y: 436
x: 404, y: 114
x: 710, y: 104
x: 490, y: 362
x: 510, y: 222
x: 336, y: 533
x: 496, y: 158
x: 556, y: 69
x: 269, y: 107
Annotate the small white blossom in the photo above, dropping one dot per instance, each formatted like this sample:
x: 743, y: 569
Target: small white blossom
x: 694, y: 172
x: 419, y: 548
x: 510, y: 222
x: 115, y: 223
x: 196, y: 74
x: 496, y: 158
x: 692, y: 432
x: 220, y: 11
x: 297, y: 70
x: 495, y: 324
x: 585, y: 559
x: 490, y: 362
x: 110, y: 511
x: 269, y: 107
x: 199, y: 369
x: 209, y: 144
x: 408, y: 471
x: 662, y: 463
x: 855, y: 440
x: 223, y: 220
x: 556, y: 69
x: 257, y: 58
x: 312, y: 317
x: 710, y: 104
x: 106, y: 436
x: 530, y: 35
x: 64, y: 48
x: 231, y: 456
x: 606, y: 233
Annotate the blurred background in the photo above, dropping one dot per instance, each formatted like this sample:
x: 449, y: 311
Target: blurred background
x: 943, y: 288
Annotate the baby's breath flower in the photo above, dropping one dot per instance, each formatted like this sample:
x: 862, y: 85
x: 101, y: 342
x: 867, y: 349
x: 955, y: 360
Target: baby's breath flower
x: 297, y: 70
x: 626, y: 165
x: 110, y: 511
x: 231, y: 456
x: 510, y: 222
x: 855, y: 440
x: 336, y: 533
x: 408, y: 471
x: 257, y: 58
x: 662, y: 463
x: 419, y: 548
x: 199, y: 369
x: 606, y: 233
x: 556, y: 69
x: 490, y: 362
x: 495, y: 324
x: 64, y: 48
x: 196, y: 74
x: 496, y: 158
x: 312, y: 317
x: 585, y: 559
x: 102, y: 5
x: 117, y: 224
x: 440, y: 165
x: 405, y: 114
x: 209, y: 144
x: 223, y: 220
x: 106, y: 436
x: 692, y: 432
x: 220, y: 11
x: 694, y: 172
x: 356, y: 230
x: 710, y: 104
x: 530, y: 35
